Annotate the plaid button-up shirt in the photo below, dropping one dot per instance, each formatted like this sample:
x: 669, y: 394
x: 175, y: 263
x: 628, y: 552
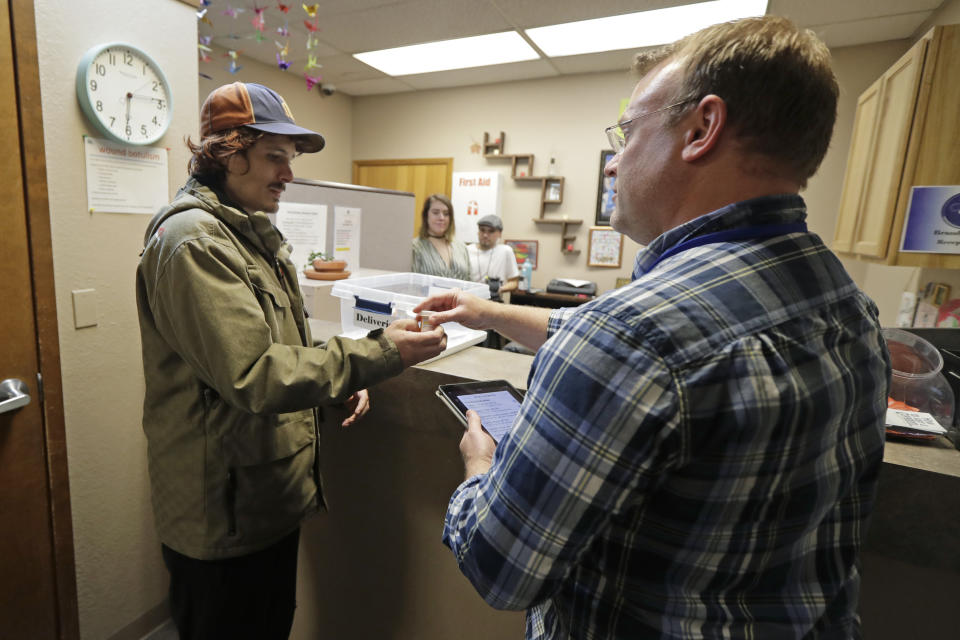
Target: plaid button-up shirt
x: 698, y: 451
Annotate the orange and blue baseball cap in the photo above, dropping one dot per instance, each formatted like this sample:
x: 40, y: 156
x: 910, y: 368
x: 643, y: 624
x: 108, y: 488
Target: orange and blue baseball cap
x: 247, y: 104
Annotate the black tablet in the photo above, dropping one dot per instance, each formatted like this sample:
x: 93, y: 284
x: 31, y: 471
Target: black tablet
x: 497, y: 402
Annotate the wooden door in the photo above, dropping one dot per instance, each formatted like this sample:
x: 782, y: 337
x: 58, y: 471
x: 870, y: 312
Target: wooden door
x: 421, y: 177
x: 37, y: 586
x: 898, y: 101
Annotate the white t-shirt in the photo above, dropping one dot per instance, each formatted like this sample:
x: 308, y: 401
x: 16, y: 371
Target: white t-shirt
x: 498, y: 262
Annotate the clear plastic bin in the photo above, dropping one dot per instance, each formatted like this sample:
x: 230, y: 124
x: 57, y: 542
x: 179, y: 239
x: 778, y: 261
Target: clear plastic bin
x: 376, y: 301
x: 916, y: 378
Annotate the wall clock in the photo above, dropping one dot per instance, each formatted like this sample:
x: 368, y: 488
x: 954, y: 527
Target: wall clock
x: 124, y: 93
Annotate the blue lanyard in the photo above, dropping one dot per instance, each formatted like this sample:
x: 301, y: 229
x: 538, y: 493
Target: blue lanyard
x: 731, y: 235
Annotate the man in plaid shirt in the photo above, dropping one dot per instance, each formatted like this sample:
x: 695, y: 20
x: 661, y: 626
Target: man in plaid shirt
x: 697, y: 453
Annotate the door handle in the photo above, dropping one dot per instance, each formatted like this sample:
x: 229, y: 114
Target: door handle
x: 13, y: 395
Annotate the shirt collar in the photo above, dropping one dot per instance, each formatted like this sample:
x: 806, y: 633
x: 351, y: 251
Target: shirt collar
x: 784, y: 208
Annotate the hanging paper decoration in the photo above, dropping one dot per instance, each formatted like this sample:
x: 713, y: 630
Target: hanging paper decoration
x: 284, y: 30
x: 311, y: 63
x: 205, y: 40
x: 284, y: 48
x: 234, y: 64
x: 312, y: 81
x: 312, y: 27
x: 204, y: 51
x: 203, y: 75
x: 202, y: 16
x: 311, y: 41
x: 283, y: 7
x: 258, y: 22
x: 233, y: 13
x: 205, y: 3
x: 311, y: 9
x: 283, y: 64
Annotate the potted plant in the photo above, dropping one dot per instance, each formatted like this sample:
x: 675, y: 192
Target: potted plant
x: 322, y: 262
x: 321, y: 266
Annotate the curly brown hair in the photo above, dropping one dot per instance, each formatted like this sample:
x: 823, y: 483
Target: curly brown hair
x: 210, y: 157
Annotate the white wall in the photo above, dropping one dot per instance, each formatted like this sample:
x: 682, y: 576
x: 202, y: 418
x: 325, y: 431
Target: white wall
x: 119, y: 571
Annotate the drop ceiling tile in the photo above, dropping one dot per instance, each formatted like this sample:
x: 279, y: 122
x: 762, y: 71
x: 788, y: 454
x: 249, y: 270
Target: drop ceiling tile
x: 481, y: 75
x: 373, y: 87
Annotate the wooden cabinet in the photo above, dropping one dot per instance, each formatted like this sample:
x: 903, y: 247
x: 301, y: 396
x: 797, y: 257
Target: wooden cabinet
x: 905, y: 134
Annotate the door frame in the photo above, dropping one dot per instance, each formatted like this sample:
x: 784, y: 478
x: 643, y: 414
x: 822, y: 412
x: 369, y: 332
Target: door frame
x: 27, y: 79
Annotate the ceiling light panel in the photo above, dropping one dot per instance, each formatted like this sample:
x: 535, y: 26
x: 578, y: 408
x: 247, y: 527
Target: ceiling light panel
x: 642, y: 29
x: 462, y: 53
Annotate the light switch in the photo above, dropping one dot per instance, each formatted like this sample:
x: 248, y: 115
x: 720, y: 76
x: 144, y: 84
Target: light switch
x: 84, y: 308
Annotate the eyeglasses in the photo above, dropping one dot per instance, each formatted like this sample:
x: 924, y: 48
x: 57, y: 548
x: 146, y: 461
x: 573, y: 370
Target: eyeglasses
x: 618, y: 138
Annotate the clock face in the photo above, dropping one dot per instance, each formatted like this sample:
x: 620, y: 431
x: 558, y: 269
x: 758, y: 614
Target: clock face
x: 124, y: 93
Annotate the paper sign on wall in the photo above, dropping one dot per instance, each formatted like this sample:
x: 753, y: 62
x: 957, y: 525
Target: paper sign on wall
x: 305, y: 228
x: 933, y: 220
x: 125, y: 179
x: 475, y: 194
x: 346, y: 235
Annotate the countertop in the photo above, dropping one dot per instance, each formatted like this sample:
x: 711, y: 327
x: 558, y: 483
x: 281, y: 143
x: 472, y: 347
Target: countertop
x: 477, y: 363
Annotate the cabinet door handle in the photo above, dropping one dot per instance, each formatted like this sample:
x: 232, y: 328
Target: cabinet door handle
x: 13, y: 395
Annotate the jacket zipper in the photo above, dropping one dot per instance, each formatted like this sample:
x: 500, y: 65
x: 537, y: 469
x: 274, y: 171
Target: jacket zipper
x: 231, y: 502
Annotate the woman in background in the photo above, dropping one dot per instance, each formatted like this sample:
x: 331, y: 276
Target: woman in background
x: 435, y: 251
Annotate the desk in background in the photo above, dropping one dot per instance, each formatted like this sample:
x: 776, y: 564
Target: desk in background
x: 549, y: 300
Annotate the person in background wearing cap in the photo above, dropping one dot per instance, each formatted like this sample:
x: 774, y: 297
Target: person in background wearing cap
x: 491, y: 262
x: 233, y: 380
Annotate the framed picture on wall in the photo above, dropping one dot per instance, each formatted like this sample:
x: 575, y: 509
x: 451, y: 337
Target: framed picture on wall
x: 523, y: 250
x: 605, y: 248
x: 604, y: 192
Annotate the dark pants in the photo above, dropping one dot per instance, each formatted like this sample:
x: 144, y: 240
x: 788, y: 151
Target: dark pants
x: 252, y: 596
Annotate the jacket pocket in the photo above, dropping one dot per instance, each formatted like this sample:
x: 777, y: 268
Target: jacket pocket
x: 270, y: 480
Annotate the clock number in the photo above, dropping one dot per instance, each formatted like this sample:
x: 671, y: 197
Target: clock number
x: 160, y: 105
x: 101, y: 70
x: 155, y: 85
x: 129, y: 131
x: 155, y: 121
x: 128, y: 58
x: 143, y: 129
x: 99, y: 105
x: 93, y: 85
x: 113, y: 58
x: 112, y: 120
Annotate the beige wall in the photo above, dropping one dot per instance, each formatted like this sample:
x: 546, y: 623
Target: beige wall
x: 330, y: 115
x: 561, y: 117
x: 119, y: 570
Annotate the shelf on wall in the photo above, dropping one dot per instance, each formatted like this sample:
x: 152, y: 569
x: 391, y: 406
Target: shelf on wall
x: 521, y: 170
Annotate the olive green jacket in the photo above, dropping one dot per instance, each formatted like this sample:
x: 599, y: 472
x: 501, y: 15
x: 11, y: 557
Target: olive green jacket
x: 232, y: 378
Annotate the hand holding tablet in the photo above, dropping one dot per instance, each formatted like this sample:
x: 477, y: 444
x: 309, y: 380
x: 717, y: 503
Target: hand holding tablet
x: 496, y: 401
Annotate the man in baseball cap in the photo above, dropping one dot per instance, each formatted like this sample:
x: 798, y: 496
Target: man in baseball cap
x: 491, y: 262
x: 233, y: 383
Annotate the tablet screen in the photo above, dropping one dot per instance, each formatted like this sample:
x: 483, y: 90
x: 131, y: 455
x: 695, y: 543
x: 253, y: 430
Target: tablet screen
x: 496, y: 401
x: 497, y: 411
